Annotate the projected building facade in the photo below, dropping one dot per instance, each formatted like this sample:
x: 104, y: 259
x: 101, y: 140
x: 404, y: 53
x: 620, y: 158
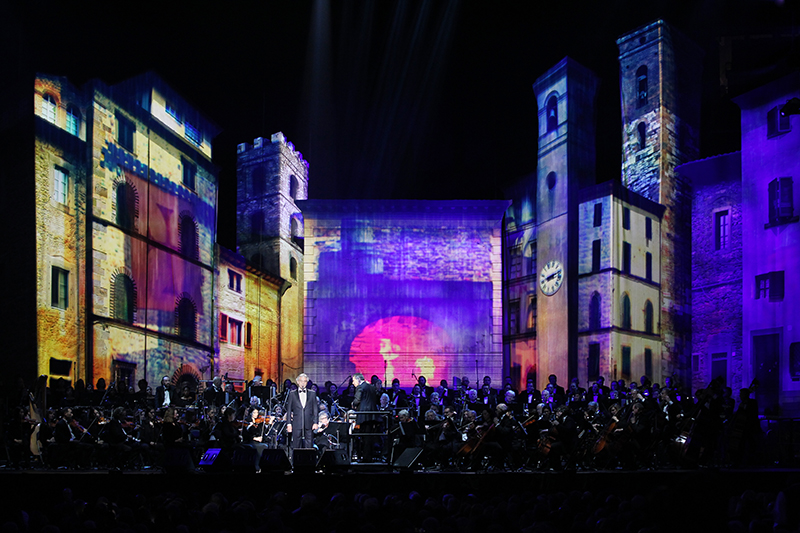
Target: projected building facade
x: 403, y: 288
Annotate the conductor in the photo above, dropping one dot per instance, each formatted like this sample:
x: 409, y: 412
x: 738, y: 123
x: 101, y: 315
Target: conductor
x: 302, y: 414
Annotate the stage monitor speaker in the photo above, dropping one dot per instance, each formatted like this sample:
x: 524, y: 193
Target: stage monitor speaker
x: 244, y: 459
x: 304, y: 459
x: 275, y: 460
x: 334, y: 460
x: 408, y: 459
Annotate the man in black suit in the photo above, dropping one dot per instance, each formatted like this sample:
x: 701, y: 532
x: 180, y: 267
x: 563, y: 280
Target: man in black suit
x: 302, y: 412
x: 165, y: 394
x: 366, y: 399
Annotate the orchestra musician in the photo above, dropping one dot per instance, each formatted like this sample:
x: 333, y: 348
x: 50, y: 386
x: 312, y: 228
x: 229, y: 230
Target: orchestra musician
x: 365, y: 399
x: 165, y: 393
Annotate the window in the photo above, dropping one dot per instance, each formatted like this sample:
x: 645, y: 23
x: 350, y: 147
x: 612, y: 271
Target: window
x: 59, y: 288
x: 552, y: 113
x: 187, y: 230
x: 626, y: 257
x: 594, y: 312
x: 123, y: 298
x: 193, y: 134
x: 593, y: 364
x: 126, y: 206
x: 719, y: 366
x: 234, y: 281
x: 626, y: 218
x: 596, y: 255
x: 223, y: 327
x: 49, y: 108
x: 60, y: 185
x: 551, y: 180
x: 648, y: 266
x: 648, y: 228
x: 256, y: 224
x: 648, y: 317
x: 781, y: 208
x: 293, y: 188
x: 189, y: 173
x: 171, y: 111
x: 641, y: 86
x: 236, y: 332
x: 598, y: 215
x: 721, y: 229
x: 531, y: 312
x: 530, y: 257
x: 73, y: 122
x: 186, y: 319
x: 293, y: 267
x: 641, y: 130
x: 770, y: 285
x: 248, y: 335
x: 777, y: 124
x: 515, y: 269
x: 626, y: 311
x: 648, y: 362
x: 626, y: 362
x: 513, y: 317
x: 794, y: 361
x: 125, y: 133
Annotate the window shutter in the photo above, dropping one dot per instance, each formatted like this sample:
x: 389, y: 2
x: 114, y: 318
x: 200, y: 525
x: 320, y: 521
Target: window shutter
x: 783, y: 198
x: 776, y: 286
x: 223, y: 327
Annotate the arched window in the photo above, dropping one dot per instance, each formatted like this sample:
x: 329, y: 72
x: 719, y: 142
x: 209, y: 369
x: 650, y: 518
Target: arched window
x: 594, y: 311
x: 641, y: 86
x: 626, y: 311
x: 551, y: 180
x: 641, y: 129
x: 648, y: 317
x: 259, y: 181
x: 293, y: 187
x: 552, y: 113
x: 295, y: 228
x: 293, y: 268
x: 49, y: 108
x: 123, y: 298
x: 73, y: 120
x: 187, y: 230
x: 127, y: 202
x: 186, y: 318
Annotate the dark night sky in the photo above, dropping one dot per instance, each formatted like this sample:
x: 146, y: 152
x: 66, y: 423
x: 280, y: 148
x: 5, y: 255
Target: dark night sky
x: 385, y: 99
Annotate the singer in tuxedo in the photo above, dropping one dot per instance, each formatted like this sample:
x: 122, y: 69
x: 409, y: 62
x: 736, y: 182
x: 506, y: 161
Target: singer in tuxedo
x: 302, y: 411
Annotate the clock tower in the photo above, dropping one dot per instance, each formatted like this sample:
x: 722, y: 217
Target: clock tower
x: 565, y: 97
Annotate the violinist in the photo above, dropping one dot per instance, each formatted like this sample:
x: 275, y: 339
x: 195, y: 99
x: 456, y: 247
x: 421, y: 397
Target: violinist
x: 253, y: 433
x: 225, y: 433
x: 69, y: 450
x: 122, y: 446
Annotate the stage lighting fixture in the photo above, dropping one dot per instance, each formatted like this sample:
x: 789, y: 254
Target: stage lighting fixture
x: 791, y: 107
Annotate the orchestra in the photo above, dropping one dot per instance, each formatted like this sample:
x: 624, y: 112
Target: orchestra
x: 640, y: 425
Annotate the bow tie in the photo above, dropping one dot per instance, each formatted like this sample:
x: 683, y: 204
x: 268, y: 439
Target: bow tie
x: 302, y: 390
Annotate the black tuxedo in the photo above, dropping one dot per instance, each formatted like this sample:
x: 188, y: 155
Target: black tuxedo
x: 302, y: 418
x: 160, y: 395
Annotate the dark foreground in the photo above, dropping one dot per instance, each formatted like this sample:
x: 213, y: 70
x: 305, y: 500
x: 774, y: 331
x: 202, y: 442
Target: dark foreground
x: 669, y: 500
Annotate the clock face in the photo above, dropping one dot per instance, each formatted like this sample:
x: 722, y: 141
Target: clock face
x: 551, y: 277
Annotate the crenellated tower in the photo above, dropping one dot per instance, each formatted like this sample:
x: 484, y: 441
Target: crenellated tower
x: 271, y: 176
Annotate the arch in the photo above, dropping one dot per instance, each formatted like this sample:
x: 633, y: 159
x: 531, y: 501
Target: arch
x: 648, y: 317
x: 551, y: 180
x: 49, y: 106
x: 294, y: 187
x: 626, y: 311
x: 186, y: 373
x: 123, y: 298
x: 186, y: 317
x: 552, y: 113
x: 127, y: 204
x: 293, y: 268
x: 188, y: 235
x: 641, y: 130
x: 641, y: 86
x: 594, y: 311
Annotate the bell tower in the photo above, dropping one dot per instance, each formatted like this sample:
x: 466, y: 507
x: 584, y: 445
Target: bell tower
x: 660, y: 87
x: 565, y: 97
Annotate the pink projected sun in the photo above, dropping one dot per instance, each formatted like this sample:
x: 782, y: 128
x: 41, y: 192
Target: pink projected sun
x: 400, y: 346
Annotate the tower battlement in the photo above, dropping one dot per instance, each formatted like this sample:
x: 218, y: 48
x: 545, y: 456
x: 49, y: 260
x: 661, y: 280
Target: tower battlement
x: 277, y: 141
